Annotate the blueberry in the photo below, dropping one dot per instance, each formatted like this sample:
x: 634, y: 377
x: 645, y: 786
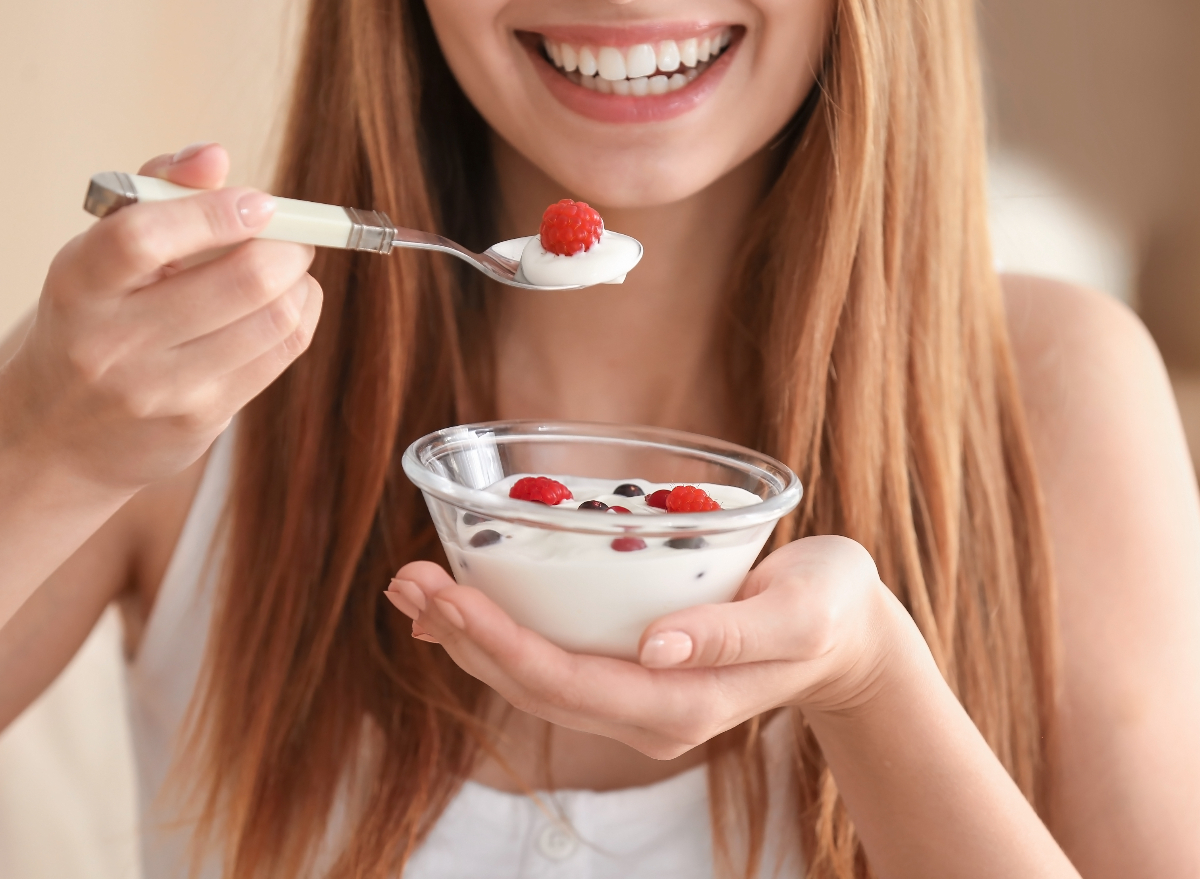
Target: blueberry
x: 628, y: 489
x: 687, y: 543
x: 472, y: 519
x: 485, y: 538
x: 594, y: 506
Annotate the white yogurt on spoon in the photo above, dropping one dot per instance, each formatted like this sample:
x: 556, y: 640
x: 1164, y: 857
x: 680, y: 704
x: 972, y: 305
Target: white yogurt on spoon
x: 605, y: 262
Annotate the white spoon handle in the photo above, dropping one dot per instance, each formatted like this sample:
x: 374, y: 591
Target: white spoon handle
x: 303, y: 222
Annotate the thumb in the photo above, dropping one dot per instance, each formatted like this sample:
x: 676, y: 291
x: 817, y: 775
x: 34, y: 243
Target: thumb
x: 199, y: 166
x: 781, y: 622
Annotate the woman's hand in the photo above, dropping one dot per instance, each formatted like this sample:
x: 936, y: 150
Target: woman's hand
x: 134, y: 363
x: 813, y: 628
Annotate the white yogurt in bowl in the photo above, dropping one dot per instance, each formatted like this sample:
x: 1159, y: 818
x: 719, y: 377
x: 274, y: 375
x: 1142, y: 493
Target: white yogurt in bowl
x: 555, y: 569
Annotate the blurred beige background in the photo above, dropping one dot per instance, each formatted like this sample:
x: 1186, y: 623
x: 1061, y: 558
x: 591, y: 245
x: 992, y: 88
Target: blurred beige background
x: 99, y: 85
x: 1096, y: 123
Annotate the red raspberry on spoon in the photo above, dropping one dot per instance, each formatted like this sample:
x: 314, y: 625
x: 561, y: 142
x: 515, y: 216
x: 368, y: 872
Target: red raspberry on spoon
x: 570, y: 227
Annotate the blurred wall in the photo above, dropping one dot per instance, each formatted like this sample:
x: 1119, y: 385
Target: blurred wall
x: 1107, y: 94
x: 97, y: 85
x: 88, y: 86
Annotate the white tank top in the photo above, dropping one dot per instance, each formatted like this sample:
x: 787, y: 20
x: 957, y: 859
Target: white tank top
x: 661, y: 830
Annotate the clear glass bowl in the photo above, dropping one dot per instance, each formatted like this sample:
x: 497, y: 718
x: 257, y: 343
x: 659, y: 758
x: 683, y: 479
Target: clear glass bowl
x: 566, y: 582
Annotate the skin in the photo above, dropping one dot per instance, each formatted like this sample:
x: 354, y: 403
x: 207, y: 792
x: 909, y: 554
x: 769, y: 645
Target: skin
x: 815, y: 628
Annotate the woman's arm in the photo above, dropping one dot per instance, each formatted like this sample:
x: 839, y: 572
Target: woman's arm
x: 1125, y: 525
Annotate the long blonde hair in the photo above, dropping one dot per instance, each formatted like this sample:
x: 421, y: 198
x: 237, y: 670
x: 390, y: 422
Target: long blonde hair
x: 871, y: 349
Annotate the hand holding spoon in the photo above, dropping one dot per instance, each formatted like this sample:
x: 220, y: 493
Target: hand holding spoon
x: 323, y: 225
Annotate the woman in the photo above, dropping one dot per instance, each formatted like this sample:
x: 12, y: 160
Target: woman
x: 972, y: 651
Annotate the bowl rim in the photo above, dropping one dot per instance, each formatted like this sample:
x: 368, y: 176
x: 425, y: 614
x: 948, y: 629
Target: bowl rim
x: 491, y: 506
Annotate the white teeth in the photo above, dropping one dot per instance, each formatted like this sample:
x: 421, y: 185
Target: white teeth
x: 639, y: 69
x: 570, y: 59
x: 587, y: 61
x: 610, y: 63
x: 668, y: 56
x: 640, y: 60
x: 687, y: 52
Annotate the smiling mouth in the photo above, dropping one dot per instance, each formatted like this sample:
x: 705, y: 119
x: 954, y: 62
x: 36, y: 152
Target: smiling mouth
x: 640, y: 69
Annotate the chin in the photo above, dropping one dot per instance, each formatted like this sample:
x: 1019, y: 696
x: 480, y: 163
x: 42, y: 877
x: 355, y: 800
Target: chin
x: 633, y: 181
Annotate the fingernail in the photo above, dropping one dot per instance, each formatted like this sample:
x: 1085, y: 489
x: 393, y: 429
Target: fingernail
x: 450, y: 612
x: 421, y: 635
x: 403, y: 605
x: 666, y: 649
x: 190, y: 150
x: 255, y: 208
x: 409, y: 590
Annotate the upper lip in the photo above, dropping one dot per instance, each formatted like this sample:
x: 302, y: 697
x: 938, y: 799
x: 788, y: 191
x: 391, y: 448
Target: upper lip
x: 627, y: 34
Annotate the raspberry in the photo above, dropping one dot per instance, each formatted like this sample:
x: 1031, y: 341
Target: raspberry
x: 658, y: 499
x: 540, y: 490
x: 628, y: 544
x: 689, y: 499
x: 570, y: 227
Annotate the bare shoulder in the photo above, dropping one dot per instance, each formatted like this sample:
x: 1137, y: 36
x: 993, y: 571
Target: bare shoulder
x: 1124, y: 521
x: 1077, y: 348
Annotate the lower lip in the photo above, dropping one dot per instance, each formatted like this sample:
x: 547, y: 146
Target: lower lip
x: 627, y: 108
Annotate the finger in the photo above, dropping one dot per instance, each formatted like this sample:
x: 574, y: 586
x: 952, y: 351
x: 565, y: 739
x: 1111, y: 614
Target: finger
x: 795, y: 605
x: 198, y: 165
x: 128, y: 249
x: 246, y: 339
x: 773, y: 625
x: 242, y: 385
x: 206, y: 298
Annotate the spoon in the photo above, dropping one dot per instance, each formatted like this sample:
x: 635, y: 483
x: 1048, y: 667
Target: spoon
x: 324, y: 225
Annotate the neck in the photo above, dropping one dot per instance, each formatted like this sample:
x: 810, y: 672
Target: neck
x: 643, y: 352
